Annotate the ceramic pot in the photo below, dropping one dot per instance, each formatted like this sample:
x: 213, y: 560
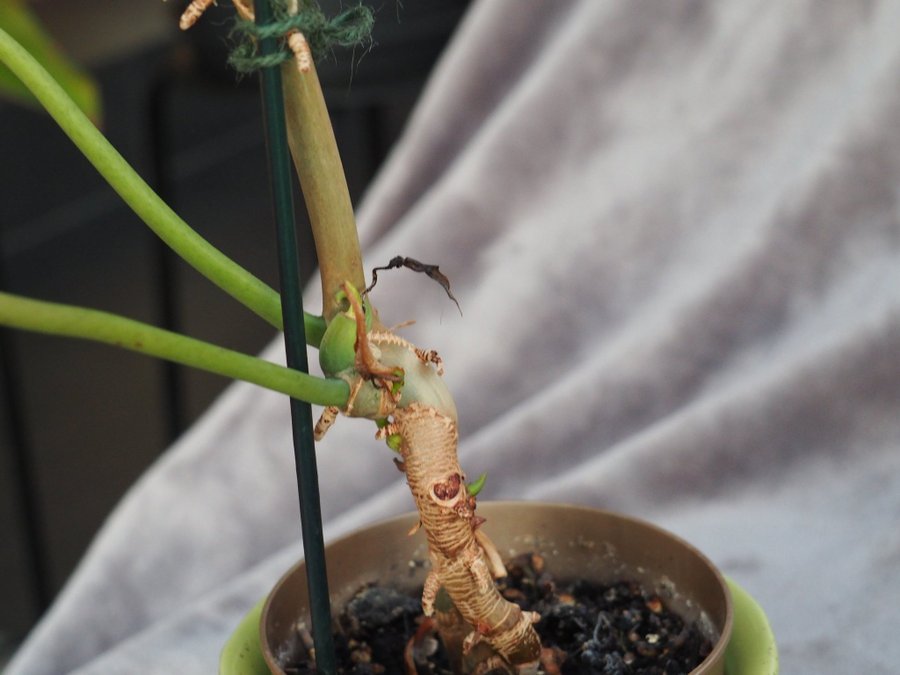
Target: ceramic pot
x: 575, y: 542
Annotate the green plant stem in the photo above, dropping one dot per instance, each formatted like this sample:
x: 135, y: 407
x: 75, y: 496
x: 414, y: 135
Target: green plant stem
x: 19, y: 20
x: 196, y: 251
x: 318, y: 165
x: 79, y: 322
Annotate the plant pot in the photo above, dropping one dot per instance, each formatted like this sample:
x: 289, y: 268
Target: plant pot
x: 576, y: 542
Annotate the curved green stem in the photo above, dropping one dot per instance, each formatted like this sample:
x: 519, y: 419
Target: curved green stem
x: 78, y: 322
x: 196, y: 251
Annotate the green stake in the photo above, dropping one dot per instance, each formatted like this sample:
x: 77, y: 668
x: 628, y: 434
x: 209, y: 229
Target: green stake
x: 295, y: 344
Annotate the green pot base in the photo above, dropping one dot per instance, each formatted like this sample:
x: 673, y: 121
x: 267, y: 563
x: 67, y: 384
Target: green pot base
x: 751, y: 650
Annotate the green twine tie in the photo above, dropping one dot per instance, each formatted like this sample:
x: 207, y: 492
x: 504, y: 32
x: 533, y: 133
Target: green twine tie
x: 350, y: 28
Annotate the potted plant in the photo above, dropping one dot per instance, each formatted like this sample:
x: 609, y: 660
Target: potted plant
x: 572, y: 543
x: 371, y: 373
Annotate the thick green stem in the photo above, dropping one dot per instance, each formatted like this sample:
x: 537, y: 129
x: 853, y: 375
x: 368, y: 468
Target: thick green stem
x: 195, y: 250
x: 78, y: 322
x: 325, y: 192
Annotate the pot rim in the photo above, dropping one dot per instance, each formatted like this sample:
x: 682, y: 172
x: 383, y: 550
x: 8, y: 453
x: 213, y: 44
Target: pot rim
x: 725, y: 631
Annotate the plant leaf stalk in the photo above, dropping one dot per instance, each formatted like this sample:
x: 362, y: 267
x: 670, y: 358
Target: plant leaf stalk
x: 324, y: 185
x: 196, y: 251
x: 66, y: 320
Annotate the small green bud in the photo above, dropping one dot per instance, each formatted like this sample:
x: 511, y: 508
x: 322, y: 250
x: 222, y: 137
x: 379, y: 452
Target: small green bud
x: 394, y: 441
x: 475, y: 487
x: 337, y: 351
x: 398, y: 385
x: 344, y: 301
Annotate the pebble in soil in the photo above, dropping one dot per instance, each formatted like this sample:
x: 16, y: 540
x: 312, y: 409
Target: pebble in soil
x: 608, y: 629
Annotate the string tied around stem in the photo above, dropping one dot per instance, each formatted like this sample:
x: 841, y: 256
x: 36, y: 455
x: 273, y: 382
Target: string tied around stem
x: 350, y: 28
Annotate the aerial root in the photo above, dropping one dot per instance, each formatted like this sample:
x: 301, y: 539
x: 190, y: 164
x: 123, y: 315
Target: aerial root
x: 326, y: 421
x: 431, y: 356
x: 295, y: 40
x: 366, y: 364
x: 498, y: 569
x: 430, y: 591
x: 300, y: 48
x: 193, y: 12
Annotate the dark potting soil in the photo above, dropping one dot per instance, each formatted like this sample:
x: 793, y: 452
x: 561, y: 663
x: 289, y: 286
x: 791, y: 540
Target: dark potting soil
x: 611, y: 629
